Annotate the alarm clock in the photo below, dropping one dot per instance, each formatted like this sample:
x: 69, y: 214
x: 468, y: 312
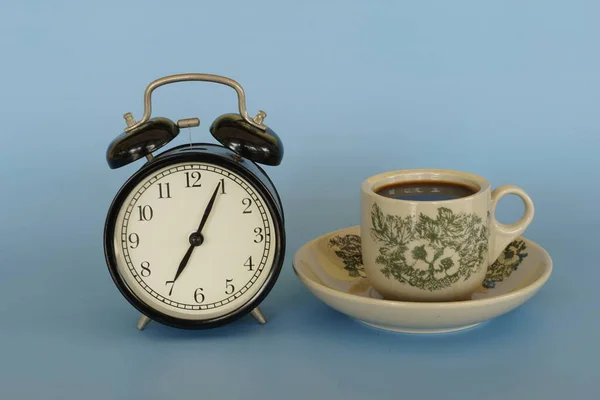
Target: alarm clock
x: 195, y: 238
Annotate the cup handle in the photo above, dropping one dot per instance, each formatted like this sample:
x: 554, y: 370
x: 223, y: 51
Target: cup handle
x: 504, y: 234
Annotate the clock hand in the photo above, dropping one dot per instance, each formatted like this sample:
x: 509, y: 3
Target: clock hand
x: 208, y: 209
x: 196, y: 238
x: 184, y: 262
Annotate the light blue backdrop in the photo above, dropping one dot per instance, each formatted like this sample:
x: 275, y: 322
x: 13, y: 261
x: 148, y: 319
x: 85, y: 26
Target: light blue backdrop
x: 510, y: 90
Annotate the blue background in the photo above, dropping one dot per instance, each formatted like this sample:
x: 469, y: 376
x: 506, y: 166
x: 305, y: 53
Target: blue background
x: 509, y: 90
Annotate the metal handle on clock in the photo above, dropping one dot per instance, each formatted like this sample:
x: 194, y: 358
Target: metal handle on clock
x: 256, y: 121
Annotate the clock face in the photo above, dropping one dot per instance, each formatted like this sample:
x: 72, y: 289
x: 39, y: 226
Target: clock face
x: 180, y: 272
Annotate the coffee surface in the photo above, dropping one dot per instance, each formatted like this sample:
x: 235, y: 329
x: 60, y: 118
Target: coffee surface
x: 426, y: 191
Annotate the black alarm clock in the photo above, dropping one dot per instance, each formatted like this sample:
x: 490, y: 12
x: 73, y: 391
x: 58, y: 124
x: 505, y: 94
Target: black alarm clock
x: 195, y: 238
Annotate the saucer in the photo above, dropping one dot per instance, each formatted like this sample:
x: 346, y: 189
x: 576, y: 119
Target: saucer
x: 331, y: 268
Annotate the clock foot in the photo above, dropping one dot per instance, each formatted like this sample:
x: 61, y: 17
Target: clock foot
x: 143, y: 322
x: 258, y: 315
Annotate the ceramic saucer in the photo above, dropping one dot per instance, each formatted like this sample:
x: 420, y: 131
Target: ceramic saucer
x: 331, y: 268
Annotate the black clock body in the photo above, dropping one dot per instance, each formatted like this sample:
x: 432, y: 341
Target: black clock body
x: 224, y: 159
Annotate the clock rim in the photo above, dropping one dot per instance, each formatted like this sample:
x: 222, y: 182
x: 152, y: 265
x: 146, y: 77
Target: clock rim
x: 193, y: 154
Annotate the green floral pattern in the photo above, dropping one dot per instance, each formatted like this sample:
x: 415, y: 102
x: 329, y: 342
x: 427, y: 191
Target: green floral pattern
x: 508, y: 261
x: 430, y: 253
x: 347, y: 247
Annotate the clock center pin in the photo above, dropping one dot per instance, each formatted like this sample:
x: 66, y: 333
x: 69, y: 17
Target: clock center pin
x: 196, y: 239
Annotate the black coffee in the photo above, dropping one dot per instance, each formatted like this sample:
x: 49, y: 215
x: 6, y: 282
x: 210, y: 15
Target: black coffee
x: 426, y: 190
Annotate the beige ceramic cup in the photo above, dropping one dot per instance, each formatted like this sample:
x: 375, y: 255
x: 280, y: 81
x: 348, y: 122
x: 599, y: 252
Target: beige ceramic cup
x: 433, y: 250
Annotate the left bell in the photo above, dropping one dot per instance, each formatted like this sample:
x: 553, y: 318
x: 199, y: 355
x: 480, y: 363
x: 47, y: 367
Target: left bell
x: 141, y: 141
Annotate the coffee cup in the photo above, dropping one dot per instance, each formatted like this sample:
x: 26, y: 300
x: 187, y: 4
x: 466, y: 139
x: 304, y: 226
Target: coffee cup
x: 431, y: 234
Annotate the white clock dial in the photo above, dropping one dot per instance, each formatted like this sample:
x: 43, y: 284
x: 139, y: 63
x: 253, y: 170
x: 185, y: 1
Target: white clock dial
x: 152, y: 236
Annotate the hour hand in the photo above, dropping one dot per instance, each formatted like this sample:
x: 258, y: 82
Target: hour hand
x: 209, y: 207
